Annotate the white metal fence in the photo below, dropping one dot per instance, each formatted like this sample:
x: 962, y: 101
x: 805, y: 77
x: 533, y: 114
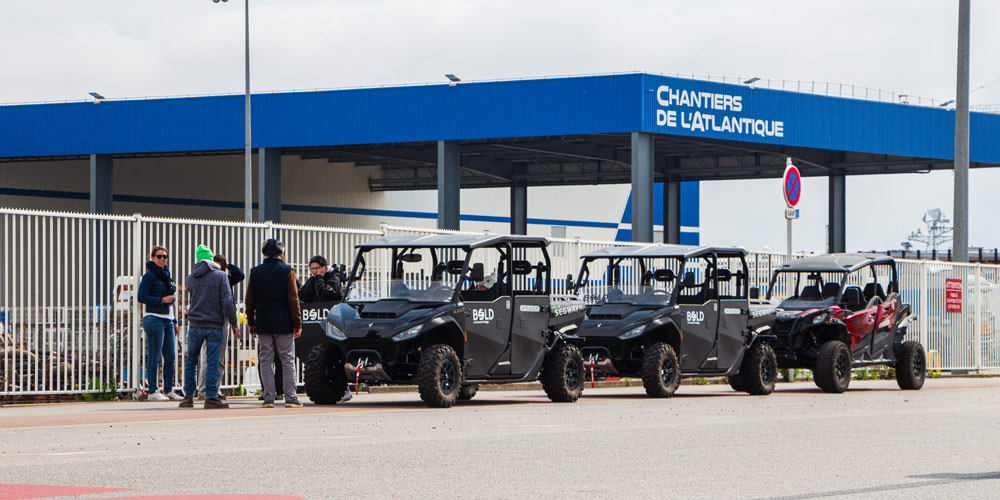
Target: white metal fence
x: 70, y: 322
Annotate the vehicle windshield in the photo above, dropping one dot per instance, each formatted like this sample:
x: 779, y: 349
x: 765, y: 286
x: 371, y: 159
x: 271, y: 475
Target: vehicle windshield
x: 413, y: 274
x: 629, y: 281
x: 798, y: 291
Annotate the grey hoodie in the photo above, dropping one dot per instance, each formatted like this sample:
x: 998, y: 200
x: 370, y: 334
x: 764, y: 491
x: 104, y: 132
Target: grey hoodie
x: 211, y: 297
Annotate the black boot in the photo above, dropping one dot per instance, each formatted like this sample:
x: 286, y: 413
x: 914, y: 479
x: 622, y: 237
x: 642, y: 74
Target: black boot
x: 215, y: 403
x: 187, y: 403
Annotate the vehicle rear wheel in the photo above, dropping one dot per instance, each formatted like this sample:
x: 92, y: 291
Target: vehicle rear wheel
x: 324, y: 375
x: 661, y: 373
x: 759, y: 370
x: 833, y: 367
x: 911, y: 367
x: 736, y: 382
x: 468, y: 392
x: 562, y: 373
x: 439, y: 376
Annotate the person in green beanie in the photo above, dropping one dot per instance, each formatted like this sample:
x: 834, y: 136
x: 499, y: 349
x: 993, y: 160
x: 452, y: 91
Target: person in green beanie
x: 211, y: 304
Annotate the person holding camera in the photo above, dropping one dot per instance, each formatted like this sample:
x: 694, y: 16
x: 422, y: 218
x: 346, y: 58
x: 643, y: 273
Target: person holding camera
x: 323, y: 284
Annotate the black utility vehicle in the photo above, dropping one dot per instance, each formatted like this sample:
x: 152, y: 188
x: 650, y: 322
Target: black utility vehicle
x: 844, y: 311
x: 666, y: 312
x: 448, y: 312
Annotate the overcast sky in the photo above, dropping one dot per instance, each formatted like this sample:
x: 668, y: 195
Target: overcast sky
x: 56, y: 50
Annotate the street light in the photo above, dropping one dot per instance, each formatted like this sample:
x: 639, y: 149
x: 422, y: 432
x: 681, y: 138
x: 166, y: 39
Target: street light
x: 247, y: 166
x: 752, y: 81
x: 947, y: 103
x: 96, y: 96
x: 454, y: 79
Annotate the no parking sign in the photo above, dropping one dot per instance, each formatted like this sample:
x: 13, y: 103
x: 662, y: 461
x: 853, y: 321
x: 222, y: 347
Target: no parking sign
x: 791, y: 189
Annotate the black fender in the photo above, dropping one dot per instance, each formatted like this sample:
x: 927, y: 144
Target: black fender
x: 663, y: 329
x: 443, y: 330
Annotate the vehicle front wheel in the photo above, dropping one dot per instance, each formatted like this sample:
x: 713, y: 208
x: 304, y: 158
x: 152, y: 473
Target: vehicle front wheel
x: 562, y: 373
x: 324, y: 375
x: 833, y: 367
x: 911, y: 366
x: 736, y: 382
x: 468, y: 392
x: 759, y: 370
x: 439, y: 376
x: 661, y: 372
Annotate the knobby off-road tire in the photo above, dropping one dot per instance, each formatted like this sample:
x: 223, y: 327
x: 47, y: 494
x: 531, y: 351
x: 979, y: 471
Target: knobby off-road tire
x: 468, y: 392
x: 324, y: 374
x: 661, y: 372
x: 911, y: 366
x: 562, y: 373
x: 759, y: 370
x: 833, y: 367
x: 439, y: 376
x: 736, y: 382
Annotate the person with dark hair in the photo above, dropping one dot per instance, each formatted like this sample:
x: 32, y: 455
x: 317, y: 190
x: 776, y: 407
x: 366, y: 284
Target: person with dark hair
x: 211, y: 304
x: 324, y: 283
x: 274, y: 317
x: 235, y: 275
x: 156, y: 293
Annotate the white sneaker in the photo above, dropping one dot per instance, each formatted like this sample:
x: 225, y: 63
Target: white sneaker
x: 347, y: 396
x: 173, y: 396
x: 157, y: 396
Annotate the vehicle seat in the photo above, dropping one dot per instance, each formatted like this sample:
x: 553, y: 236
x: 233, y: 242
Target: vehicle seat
x: 830, y: 290
x: 810, y: 292
x: 647, y: 278
x: 873, y: 290
x: 853, y: 300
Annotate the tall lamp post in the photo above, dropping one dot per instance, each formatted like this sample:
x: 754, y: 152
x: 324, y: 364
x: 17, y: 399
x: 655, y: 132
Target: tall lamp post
x: 960, y: 242
x: 247, y: 164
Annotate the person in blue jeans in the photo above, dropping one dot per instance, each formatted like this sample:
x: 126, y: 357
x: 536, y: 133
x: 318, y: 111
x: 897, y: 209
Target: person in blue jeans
x: 211, y: 304
x: 156, y: 293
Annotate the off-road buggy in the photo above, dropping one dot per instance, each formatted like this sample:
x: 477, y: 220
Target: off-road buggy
x: 666, y: 312
x: 448, y: 312
x: 844, y: 311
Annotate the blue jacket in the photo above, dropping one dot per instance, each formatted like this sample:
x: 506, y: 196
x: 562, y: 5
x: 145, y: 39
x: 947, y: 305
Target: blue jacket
x: 152, y: 290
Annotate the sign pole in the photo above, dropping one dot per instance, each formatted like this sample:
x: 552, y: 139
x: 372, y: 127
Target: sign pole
x: 791, y: 190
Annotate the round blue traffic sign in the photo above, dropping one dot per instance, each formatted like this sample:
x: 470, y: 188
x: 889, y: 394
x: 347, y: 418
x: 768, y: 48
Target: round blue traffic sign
x: 792, y: 186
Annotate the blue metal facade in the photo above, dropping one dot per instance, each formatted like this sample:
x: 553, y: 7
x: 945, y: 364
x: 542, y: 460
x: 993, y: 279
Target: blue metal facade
x: 520, y: 108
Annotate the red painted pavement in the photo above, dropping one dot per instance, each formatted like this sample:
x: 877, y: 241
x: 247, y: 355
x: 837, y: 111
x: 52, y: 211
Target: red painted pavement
x: 21, y: 491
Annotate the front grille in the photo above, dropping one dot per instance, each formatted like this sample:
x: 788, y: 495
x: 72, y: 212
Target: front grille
x: 596, y: 316
x: 386, y: 348
x: 375, y: 314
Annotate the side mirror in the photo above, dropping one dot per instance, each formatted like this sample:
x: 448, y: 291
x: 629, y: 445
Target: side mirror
x: 724, y: 274
x: 754, y: 293
x: 476, y: 273
x: 664, y: 275
x: 455, y: 266
x: 411, y: 258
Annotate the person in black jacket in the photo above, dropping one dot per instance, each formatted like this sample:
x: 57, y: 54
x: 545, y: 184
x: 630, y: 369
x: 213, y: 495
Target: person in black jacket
x: 235, y: 275
x: 324, y: 283
x: 274, y: 317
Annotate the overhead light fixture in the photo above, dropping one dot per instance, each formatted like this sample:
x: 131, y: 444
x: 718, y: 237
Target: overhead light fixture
x: 97, y: 97
x: 454, y: 79
x: 947, y: 103
x: 752, y: 81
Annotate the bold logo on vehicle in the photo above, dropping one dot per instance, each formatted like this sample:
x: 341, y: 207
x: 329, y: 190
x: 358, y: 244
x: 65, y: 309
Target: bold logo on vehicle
x: 562, y: 311
x: 314, y: 315
x: 481, y: 316
x: 757, y: 313
x: 695, y: 317
x: 531, y: 309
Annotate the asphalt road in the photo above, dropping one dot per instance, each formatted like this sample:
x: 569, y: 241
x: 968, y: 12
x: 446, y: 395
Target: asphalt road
x: 707, y: 442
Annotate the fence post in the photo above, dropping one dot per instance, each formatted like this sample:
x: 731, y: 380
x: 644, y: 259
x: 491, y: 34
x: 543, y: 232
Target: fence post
x: 978, y: 319
x: 135, y: 314
x: 924, y: 305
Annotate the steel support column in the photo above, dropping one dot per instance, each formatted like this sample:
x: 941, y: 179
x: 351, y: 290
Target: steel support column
x: 642, y: 187
x: 672, y: 212
x: 519, y: 207
x: 449, y: 184
x: 101, y: 184
x: 837, y: 213
x: 269, y: 184
x: 960, y: 242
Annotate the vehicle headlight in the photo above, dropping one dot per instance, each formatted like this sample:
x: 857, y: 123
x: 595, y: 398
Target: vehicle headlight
x: 820, y: 318
x: 407, y: 334
x: 333, y: 332
x: 633, y: 333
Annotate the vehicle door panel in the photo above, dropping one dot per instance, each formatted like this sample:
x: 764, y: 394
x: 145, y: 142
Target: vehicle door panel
x: 733, y: 318
x: 487, y: 329
x: 699, y: 324
x: 859, y: 326
x: 885, y: 325
x: 530, y: 324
